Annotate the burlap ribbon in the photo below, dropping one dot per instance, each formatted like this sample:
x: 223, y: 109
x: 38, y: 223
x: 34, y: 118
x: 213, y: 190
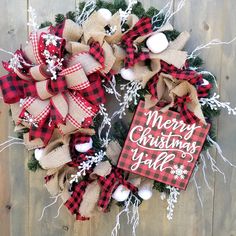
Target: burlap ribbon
x: 169, y: 89
x: 96, y: 191
x: 46, y: 97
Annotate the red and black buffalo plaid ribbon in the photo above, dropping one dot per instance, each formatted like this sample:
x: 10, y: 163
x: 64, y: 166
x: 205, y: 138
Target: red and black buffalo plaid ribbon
x: 77, y: 157
x: 182, y: 74
x: 97, y: 52
x: 44, y: 130
x: 186, y: 115
x: 95, y: 92
x: 191, y: 76
x: 108, y: 184
x: 142, y: 27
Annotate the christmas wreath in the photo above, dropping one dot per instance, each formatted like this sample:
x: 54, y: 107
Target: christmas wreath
x: 64, y: 88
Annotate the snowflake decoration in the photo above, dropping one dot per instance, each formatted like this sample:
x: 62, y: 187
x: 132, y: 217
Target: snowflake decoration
x: 179, y: 172
x: 51, y: 39
x: 29, y: 119
x: 54, y: 64
x: 86, y: 165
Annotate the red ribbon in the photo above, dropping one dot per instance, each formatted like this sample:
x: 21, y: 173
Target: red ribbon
x: 108, y: 185
x: 186, y: 115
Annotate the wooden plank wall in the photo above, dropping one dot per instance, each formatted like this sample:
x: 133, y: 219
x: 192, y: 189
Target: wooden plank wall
x: 22, y: 194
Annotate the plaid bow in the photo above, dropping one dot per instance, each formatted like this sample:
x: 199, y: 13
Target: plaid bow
x: 191, y: 76
x: 142, y: 27
x: 52, y: 96
x: 108, y: 184
x: 186, y: 115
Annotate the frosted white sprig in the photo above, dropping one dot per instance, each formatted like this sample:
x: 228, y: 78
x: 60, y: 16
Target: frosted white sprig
x: 131, y: 95
x: 33, y: 19
x: 125, y: 14
x: 50, y: 39
x: 214, y: 103
x: 30, y: 119
x: 54, y: 64
x: 86, y: 165
x: 89, y: 7
x: 16, y: 61
x: 112, y: 89
x: 172, y: 200
x: 106, y: 122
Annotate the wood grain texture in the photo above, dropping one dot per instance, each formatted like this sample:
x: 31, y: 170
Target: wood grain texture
x: 14, y: 174
x: 22, y: 193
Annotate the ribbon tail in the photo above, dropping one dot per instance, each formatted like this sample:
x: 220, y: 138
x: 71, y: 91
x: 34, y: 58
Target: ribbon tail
x: 44, y: 131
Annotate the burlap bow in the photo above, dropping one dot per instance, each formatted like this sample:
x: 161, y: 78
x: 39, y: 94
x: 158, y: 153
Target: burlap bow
x: 173, y: 92
x: 51, y: 100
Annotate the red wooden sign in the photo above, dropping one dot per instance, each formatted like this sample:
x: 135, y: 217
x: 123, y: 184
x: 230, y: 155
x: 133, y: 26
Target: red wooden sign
x: 162, y: 147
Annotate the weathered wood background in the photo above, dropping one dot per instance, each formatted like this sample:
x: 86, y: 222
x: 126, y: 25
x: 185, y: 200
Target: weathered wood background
x: 22, y: 194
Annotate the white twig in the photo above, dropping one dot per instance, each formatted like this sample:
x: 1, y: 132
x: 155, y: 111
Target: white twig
x: 214, y: 167
x: 204, y: 167
x: 214, y: 103
x: 89, y: 7
x: 168, y: 13
x: 11, y: 141
x: 198, y: 187
x: 58, y: 210
x: 134, y: 220
x: 219, y: 150
x: 56, y: 198
x: 213, y: 42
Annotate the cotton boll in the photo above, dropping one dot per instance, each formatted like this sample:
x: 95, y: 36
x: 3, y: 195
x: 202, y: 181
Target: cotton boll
x: 145, y: 189
x: 38, y: 153
x: 121, y: 193
x: 84, y: 147
x: 105, y: 13
x: 127, y: 74
x: 157, y: 43
x: 145, y: 194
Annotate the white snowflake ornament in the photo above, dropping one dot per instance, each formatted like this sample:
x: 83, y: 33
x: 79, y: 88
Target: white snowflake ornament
x: 179, y: 172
